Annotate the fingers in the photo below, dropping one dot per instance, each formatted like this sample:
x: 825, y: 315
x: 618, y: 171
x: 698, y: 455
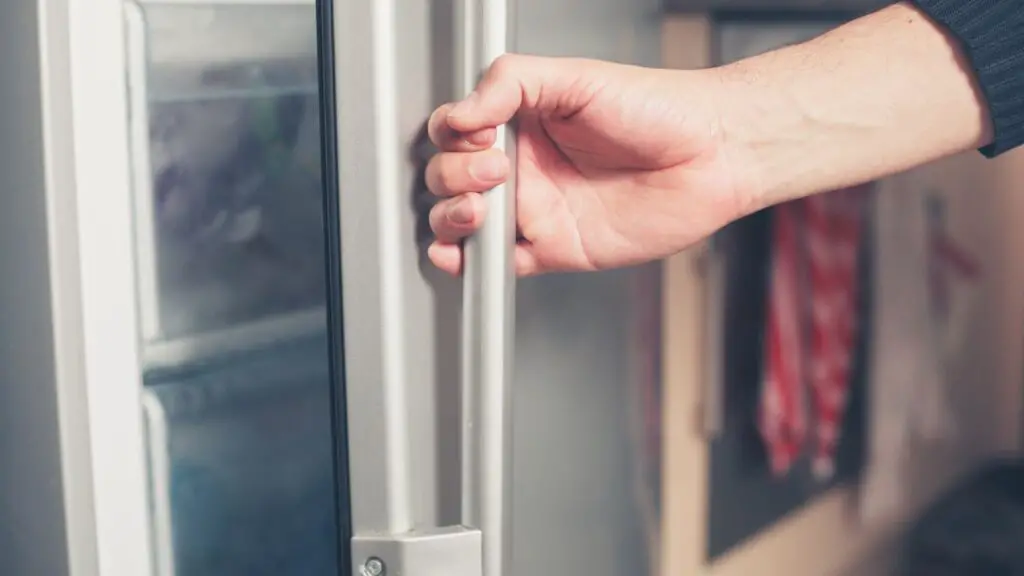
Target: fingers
x: 455, y: 218
x: 466, y: 131
x: 449, y: 139
x: 512, y: 82
x: 509, y: 82
x: 448, y: 258
x: 460, y: 177
x: 454, y: 173
x: 526, y: 263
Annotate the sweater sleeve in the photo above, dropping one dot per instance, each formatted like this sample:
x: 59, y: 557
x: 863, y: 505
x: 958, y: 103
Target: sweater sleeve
x: 991, y: 33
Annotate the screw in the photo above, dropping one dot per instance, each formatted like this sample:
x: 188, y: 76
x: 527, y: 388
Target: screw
x: 373, y: 567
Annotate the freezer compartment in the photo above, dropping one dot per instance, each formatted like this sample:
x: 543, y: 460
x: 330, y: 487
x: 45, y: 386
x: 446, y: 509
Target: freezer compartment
x: 228, y: 192
x: 229, y: 225
x: 241, y: 465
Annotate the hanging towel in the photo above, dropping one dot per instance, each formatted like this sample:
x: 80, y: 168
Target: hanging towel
x: 811, y: 326
x: 781, y: 415
x: 834, y: 226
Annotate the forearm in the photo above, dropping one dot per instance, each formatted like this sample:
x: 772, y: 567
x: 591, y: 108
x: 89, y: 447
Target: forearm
x: 874, y: 97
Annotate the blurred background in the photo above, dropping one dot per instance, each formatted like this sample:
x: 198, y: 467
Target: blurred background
x: 185, y: 348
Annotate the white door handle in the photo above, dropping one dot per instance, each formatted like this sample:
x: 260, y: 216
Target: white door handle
x: 386, y: 541
x: 488, y: 312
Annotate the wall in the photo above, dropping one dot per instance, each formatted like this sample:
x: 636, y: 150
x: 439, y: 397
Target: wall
x: 983, y: 206
x: 983, y: 212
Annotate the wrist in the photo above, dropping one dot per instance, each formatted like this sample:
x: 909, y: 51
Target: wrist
x: 762, y: 135
x: 877, y: 96
x: 780, y: 141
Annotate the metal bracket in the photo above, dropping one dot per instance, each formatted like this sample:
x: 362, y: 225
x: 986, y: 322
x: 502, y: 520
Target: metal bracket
x: 449, y: 551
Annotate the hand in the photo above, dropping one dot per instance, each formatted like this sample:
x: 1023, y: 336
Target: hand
x: 617, y: 165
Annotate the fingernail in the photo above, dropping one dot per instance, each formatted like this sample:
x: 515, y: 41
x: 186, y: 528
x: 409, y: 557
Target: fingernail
x: 460, y: 212
x: 488, y: 168
x: 466, y: 106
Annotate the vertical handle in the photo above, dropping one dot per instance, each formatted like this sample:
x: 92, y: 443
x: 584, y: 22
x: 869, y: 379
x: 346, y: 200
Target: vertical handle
x: 484, y: 34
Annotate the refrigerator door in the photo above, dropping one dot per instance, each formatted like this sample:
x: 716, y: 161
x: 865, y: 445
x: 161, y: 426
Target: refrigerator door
x: 433, y: 421
x: 400, y: 523
x: 586, y: 433
x: 430, y: 412
x: 234, y: 224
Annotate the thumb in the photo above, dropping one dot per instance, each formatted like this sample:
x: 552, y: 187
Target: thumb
x: 517, y: 82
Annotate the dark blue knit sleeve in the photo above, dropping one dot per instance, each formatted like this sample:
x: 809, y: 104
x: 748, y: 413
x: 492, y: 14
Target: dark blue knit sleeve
x: 991, y: 33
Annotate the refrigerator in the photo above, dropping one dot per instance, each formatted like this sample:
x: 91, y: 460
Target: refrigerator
x: 222, y: 351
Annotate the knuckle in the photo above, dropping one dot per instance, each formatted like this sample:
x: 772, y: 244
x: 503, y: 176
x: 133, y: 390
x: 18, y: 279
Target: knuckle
x: 437, y: 217
x: 436, y: 123
x: 448, y: 176
x: 504, y: 65
x: 433, y: 127
x: 434, y: 181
